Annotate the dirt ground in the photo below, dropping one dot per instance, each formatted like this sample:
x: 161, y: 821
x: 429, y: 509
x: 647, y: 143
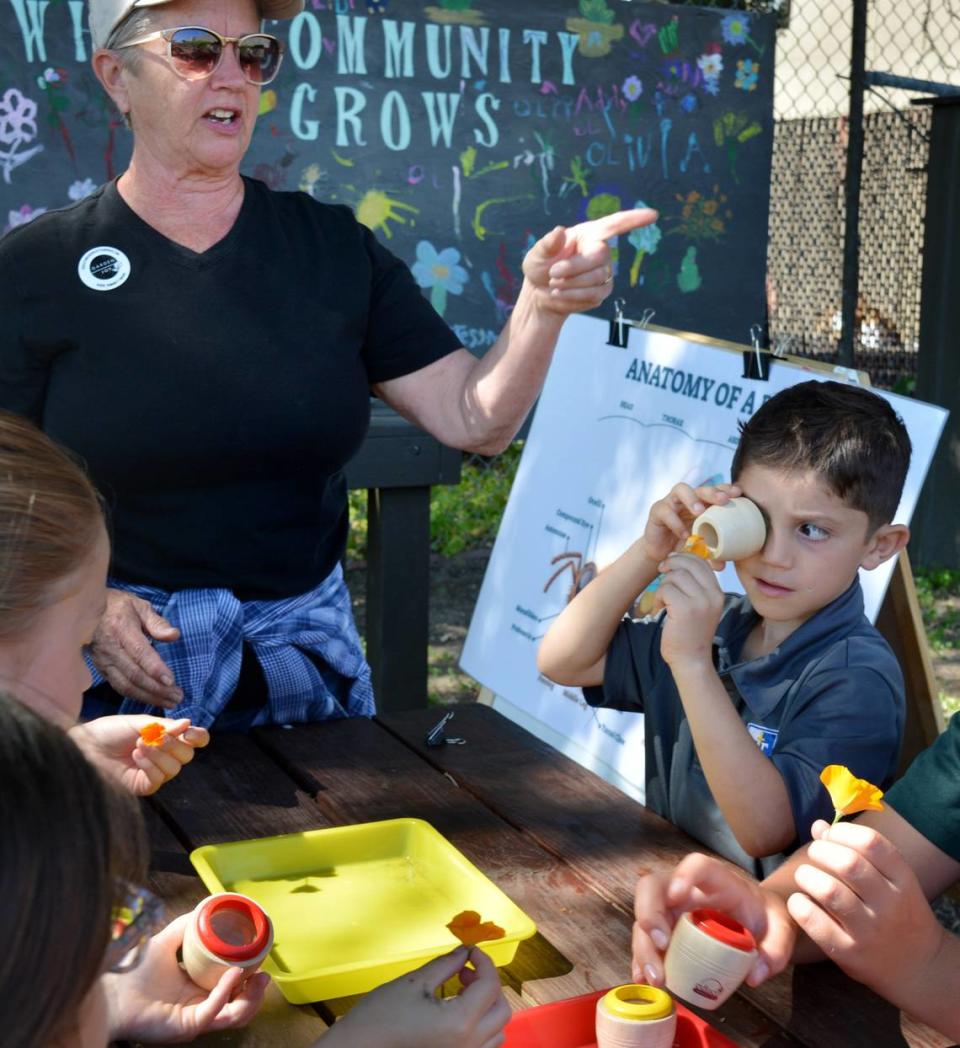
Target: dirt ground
x: 455, y: 583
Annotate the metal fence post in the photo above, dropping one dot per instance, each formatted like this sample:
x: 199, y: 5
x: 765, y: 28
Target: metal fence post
x: 852, y: 179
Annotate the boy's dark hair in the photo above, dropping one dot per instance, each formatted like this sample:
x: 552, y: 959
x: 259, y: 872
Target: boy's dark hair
x: 851, y: 437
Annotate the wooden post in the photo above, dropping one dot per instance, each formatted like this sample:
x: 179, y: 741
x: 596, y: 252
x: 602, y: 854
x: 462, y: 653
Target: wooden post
x: 398, y: 595
x: 936, y: 534
x: 397, y: 464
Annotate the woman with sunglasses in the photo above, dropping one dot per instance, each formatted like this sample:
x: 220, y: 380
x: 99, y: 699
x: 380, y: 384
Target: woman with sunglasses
x: 209, y: 346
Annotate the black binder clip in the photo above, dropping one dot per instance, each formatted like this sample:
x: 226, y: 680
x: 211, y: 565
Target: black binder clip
x: 756, y: 361
x: 619, y: 327
x: 437, y: 737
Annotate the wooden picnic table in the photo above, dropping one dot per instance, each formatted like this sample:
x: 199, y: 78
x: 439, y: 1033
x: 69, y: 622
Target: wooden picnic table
x: 562, y: 843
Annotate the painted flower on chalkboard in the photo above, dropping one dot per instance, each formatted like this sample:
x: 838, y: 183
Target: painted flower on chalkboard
x: 632, y: 88
x: 596, y: 28
x: 711, y: 65
x: 735, y: 27
x: 81, y: 188
x: 702, y: 217
x: 731, y: 131
x: 22, y: 216
x: 439, y: 271
x: 644, y: 241
x: 748, y: 72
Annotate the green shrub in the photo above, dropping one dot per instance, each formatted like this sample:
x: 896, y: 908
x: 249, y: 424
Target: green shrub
x: 462, y: 516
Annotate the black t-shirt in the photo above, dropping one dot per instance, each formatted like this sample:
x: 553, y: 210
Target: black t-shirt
x: 215, y: 397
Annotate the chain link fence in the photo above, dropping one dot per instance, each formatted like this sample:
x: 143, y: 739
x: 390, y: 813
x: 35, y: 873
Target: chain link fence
x: 807, y: 208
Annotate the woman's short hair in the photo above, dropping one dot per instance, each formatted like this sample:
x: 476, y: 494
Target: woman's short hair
x: 68, y: 840
x: 50, y: 519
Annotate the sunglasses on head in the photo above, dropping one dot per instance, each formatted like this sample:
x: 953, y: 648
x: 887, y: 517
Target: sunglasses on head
x: 195, y: 52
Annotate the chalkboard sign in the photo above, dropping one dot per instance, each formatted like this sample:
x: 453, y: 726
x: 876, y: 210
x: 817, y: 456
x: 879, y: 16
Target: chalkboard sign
x: 462, y: 131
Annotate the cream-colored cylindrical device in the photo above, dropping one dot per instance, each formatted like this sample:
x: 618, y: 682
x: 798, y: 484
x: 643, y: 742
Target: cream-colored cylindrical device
x: 226, y: 930
x: 732, y: 531
x: 709, y: 955
x: 636, y: 1016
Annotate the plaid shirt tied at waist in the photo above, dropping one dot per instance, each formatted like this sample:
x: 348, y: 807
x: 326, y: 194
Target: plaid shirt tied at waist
x: 283, y: 635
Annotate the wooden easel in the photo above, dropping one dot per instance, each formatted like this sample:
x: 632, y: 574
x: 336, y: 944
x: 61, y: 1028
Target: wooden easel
x: 900, y: 622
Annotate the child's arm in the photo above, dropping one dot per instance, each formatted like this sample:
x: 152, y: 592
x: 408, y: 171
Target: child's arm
x: 745, y: 783
x: 574, y: 648
x: 114, y: 745
x: 860, y: 901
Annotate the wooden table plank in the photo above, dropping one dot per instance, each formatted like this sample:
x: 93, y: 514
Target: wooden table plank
x: 360, y: 773
x: 277, y: 1024
x: 607, y: 839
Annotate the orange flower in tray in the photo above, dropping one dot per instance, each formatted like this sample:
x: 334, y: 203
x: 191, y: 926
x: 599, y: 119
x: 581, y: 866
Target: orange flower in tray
x: 153, y: 734
x: 468, y: 927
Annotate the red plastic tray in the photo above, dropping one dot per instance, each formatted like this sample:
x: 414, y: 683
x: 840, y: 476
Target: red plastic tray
x: 571, y: 1024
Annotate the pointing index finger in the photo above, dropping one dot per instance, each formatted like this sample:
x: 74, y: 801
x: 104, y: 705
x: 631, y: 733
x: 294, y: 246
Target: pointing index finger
x: 623, y: 221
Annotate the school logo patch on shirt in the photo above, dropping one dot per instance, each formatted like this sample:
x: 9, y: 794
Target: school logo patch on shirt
x: 103, y: 268
x: 765, y: 738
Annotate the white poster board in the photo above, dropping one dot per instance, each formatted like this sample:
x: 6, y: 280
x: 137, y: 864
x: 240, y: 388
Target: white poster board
x: 613, y: 431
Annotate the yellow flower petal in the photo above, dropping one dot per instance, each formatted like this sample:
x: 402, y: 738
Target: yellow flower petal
x: 849, y: 794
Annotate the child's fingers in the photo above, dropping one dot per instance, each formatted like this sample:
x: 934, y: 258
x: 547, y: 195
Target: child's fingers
x: 832, y: 894
x: 646, y: 960
x: 872, y: 849
x: 148, y: 757
x: 680, y: 584
x: 667, y: 516
x: 692, y: 565
x: 819, y: 925
x: 191, y: 735
x: 243, y: 1005
x: 491, y: 1023
x: 718, y: 493
x: 196, y: 736
x: 683, y: 497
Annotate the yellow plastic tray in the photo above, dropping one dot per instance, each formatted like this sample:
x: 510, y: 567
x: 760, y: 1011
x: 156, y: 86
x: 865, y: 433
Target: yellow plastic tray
x: 355, y: 906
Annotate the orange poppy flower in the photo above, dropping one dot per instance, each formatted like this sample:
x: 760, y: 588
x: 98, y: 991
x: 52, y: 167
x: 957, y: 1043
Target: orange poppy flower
x: 470, y: 929
x: 848, y: 793
x: 697, y: 546
x: 153, y: 734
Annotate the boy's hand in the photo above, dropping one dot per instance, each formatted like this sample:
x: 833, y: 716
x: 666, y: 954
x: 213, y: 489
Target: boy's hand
x: 700, y: 880
x: 114, y: 745
x: 690, y: 591
x: 668, y: 525
x: 861, y: 903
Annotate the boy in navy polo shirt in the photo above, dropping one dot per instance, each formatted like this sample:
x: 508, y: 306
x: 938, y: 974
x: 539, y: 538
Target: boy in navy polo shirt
x: 747, y: 697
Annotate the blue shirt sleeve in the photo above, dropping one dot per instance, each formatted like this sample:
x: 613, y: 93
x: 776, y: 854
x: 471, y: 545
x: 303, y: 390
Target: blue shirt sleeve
x: 632, y: 665
x: 850, y: 715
